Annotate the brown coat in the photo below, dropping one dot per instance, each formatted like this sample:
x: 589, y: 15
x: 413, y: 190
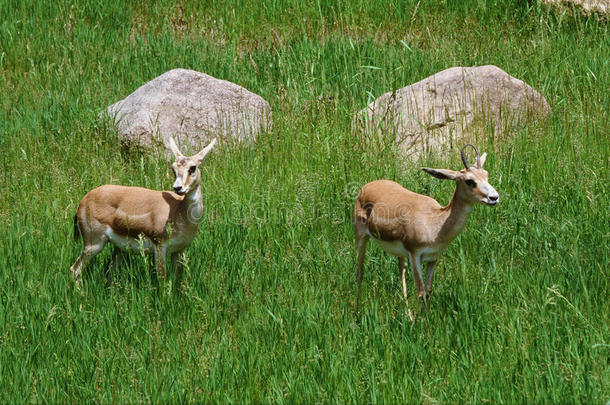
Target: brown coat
x: 393, y: 213
x: 129, y: 211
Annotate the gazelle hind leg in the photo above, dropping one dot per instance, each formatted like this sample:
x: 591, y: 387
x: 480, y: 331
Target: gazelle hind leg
x: 401, y: 267
x: 89, y: 252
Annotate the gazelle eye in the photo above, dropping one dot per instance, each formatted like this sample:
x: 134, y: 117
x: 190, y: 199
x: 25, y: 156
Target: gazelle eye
x: 471, y: 183
x: 192, y: 169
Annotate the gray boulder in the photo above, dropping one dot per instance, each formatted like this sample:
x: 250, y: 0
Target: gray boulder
x: 443, y: 109
x: 192, y: 107
x: 588, y: 6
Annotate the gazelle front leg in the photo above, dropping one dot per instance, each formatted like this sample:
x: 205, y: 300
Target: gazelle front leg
x: 160, y: 259
x: 178, y: 266
x: 117, y: 259
x: 115, y: 264
x: 401, y: 267
x: 417, y: 275
x: 361, y: 242
x: 430, y: 266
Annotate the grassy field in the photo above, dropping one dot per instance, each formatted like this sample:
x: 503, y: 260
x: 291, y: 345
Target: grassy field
x: 521, y: 311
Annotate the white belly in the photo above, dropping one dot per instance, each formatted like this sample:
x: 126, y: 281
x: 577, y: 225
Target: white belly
x: 129, y: 244
x: 178, y: 244
x: 395, y: 248
x: 430, y: 254
x: 142, y: 244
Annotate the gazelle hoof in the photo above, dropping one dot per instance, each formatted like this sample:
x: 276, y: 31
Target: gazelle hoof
x: 423, y: 298
x: 78, y: 286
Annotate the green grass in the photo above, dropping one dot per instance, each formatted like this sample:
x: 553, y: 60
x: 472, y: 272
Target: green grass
x: 521, y: 306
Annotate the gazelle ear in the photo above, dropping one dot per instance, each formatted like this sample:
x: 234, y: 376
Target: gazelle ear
x: 443, y: 174
x: 483, y: 157
x: 205, y: 151
x: 173, y: 147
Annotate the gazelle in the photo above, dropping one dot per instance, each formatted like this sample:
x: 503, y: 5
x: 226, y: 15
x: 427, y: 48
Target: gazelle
x: 410, y: 225
x: 136, y: 218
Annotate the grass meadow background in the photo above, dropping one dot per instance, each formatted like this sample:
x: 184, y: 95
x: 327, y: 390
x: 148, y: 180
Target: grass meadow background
x: 266, y: 314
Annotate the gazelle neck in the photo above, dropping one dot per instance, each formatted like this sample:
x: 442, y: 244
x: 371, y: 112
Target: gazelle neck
x: 455, y: 216
x: 193, y: 205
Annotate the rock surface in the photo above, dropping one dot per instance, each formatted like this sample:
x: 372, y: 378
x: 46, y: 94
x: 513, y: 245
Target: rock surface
x: 191, y: 106
x: 442, y: 109
x: 588, y: 6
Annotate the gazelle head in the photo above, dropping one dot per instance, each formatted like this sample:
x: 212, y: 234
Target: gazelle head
x: 472, y: 181
x: 186, y: 168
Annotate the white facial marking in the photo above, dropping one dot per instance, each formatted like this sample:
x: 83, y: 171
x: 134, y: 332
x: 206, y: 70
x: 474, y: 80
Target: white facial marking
x: 491, y: 194
x: 184, y: 176
x: 178, y: 183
